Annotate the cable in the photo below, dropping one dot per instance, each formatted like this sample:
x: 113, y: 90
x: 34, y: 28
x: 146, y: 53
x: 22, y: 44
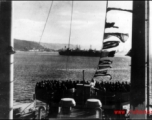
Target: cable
x: 40, y: 38
x: 69, y: 35
x: 105, y: 20
x: 46, y: 22
x: 70, y: 26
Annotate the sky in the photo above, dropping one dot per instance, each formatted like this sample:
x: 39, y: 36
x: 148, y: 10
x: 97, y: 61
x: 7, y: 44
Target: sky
x: 87, y: 25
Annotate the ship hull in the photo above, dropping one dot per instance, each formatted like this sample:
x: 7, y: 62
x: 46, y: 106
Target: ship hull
x: 86, y: 53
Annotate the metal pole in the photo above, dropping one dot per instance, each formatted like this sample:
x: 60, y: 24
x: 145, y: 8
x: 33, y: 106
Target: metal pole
x: 147, y: 51
x: 138, y: 61
x: 83, y: 88
x: 83, y: 77
x: 6, y: 61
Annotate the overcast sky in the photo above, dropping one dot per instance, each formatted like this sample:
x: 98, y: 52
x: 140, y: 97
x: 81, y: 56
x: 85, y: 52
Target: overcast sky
x: 87, y: 26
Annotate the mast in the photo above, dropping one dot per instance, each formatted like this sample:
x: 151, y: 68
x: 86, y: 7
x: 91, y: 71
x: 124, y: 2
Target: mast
x: 6, y: 61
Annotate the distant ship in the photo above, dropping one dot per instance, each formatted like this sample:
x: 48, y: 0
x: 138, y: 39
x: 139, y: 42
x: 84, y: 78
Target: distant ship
x: 90, y: 52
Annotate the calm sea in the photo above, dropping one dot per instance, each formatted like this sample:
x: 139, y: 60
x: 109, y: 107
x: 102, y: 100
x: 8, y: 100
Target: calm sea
x: 31, y: 67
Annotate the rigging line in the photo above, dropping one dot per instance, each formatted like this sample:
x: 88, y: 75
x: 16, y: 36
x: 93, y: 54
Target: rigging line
x: 105, y: 22
x: 103, y: 30
x: 46, y: 22
x: 69, y: 36
x: 70, y: 25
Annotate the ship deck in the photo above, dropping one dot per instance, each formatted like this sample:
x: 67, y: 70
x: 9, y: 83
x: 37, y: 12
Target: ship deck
x: 29, y: 110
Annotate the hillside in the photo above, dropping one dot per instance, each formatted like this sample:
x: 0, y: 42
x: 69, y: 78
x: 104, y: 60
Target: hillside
x: 24, y: 45
x: 57, y: 46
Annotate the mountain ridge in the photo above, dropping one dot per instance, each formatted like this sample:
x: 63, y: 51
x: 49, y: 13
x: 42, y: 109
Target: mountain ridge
x: 25, y: 45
